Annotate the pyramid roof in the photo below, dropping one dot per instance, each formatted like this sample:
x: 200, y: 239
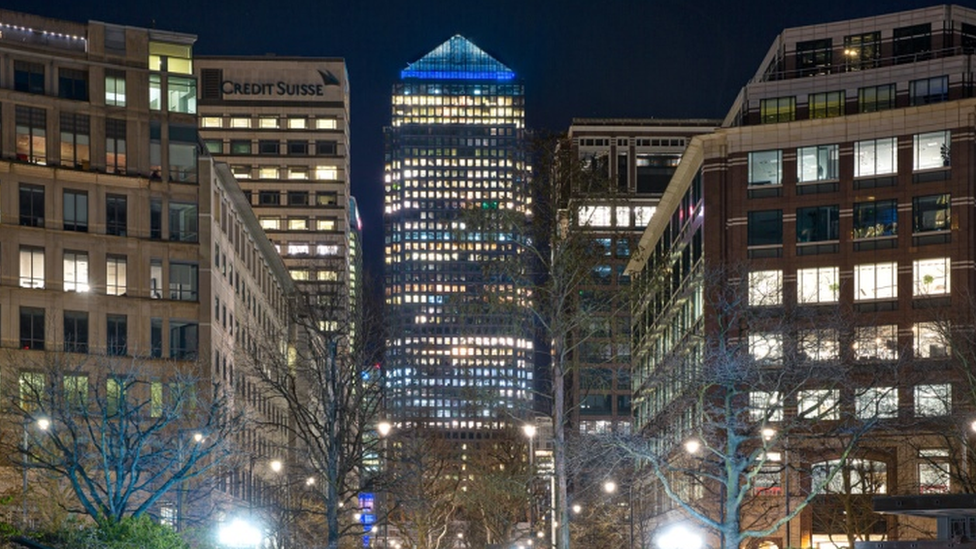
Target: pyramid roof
x: 457, y: 59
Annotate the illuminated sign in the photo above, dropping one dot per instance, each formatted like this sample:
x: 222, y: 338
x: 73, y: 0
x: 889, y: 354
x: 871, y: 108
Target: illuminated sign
x: 280, y: 88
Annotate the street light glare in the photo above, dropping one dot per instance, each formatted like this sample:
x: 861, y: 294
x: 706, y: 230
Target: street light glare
x: 384, y: 428
x: 529, y: 430
x: 43, y: 423
x: 609, y: 486
x: 198, y: 437
x: 679, y: 537
x: 692, y: 446
x: 577, y: 508
x: 238, y: 533
x: 276, y: 466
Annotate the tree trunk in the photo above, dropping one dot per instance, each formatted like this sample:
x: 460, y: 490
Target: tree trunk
x: 559, y: 445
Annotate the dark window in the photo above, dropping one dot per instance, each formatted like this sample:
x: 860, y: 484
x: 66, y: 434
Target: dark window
x: 326, y: 148
x: 183, y: 281
x: 240, y: 147
x: 116, y: 343
x: 183, y: 221
x: 76, y: 331
x: 323, y: 198
x: 813, y: 57
x: 876, y: 98
x: 115, y: 149
x: 874, y: 219
x: 298, y: 198
x: 75, y: 140
x: 29, y: 77
x: 817, y: 224
x: 268, y: 147
x: 183, y: 153
x: 73, y: 84
x: 596, y: 405
x: 912, y: 43
x: 931, y: 213
x: 929, y: 90
x: 31, y: 206
x: 31, y: 328
x: 298, y: 148
x: 155, y: 219
x: 76, y: 211
x: 183, y: 340
x: 31, y: 129
x: 269, y: 198
x: 968, y: 38
x: 826, y: 104
x: 116, y: 215
x: 765, y: 228
x: 214, y: 146
x: 156, y: 337
x: 862, y: 51
x: 623, y: 247
x: 777, y: 109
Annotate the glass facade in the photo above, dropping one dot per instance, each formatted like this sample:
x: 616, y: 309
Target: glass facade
x: 455, y: 145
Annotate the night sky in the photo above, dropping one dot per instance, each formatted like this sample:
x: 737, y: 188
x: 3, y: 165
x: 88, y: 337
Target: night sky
x: 610, y: 58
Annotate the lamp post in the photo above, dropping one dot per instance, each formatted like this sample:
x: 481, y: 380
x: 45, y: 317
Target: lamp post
x: 383, y: 429
x: 180, y: 494
x: 43, y: 424
x: 530, y: 432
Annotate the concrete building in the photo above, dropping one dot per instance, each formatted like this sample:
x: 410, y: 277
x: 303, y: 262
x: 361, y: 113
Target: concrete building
x: 282, y: 124
x: 841, y: 180
x: 635, y: 159
x: 120, y: 241
x: 455, y: 145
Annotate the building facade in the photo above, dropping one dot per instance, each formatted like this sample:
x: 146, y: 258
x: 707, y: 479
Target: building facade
x: 282, y: 125
x: 630, y: 162
x: 840, y: 181
x: 455, y: 155
x: 121, y: 242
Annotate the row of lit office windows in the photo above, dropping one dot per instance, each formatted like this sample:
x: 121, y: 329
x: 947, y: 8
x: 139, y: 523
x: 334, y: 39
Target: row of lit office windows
x: 872, y: 157
x: 293, y: 173
x: 456, y: 100
x: 878, y: 402
x: 273, y: 223
x: 270, y: 122
x: 872, y: 281
x: 878, y: 342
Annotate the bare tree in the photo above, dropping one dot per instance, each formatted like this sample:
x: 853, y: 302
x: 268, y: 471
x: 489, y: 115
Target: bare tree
x: 427, y: 483
x: 756, y: 421
x: 329, y: 383
x: 122, y: 432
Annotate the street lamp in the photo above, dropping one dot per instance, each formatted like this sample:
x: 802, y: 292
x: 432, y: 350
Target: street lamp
x: 679, y: 537
x: 276, y: 465
x: 609, y: 486
x: 239, y: 534
x: 530, y: 431
x: 384, y: 428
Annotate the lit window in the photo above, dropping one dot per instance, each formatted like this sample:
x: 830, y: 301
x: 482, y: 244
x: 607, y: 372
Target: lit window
x: 325, y: 123
x: 211, y: 122
x: 299, y: 274
x: 875, y: 157
x: 930, y: 341
x: 876, y: 403
x: 765, y: 406
x: 875, y: 281
x: 594, y: 216
x: 642, y: 215
x: 32, y: 267
x: 818, y: 285
x: 270, y: 223
x: 325, y: 224
x: 239, y: 122
x: 328, y: 276
x: 933, y: 400
x: 297, y: 123
x: 75, y: 272
x: 170, y: 57
x: 241, y: 172
x: 766, y: 347
x: 297, y: 248
x: 623, y: 216
x: 876, y: 342
x: 268, y: 172
x: 931, y: 276
x: 765, y: 288
x: 817, y: 163
x: 181, y: 95
x: 297, y: 224
x: 326, y: 173
x: 114, y: 88
x: 297, y: 172
x: 933, y: 471
x: 326, y: 249
x: 931, y: 150
x: 822, y: 404
x: 268, y: 122
x: 818, y: 344
x: 115, y: 275
x: 766, y: 168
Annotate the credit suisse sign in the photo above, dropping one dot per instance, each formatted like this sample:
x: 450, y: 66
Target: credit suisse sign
x: 255, y: 88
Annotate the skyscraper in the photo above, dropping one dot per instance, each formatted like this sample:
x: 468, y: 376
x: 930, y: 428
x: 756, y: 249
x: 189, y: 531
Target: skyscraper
x: 455, y: 155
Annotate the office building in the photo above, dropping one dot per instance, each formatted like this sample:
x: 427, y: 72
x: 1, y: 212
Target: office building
x: 122, y: 243
x: 629, y: 162
x: 454, y: 157
x: 282, y: 125
x: 840, y: 180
